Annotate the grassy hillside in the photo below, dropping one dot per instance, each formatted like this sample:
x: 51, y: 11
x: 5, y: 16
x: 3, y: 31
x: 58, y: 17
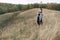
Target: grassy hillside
x: 7, y: 18
x: 24, y: 26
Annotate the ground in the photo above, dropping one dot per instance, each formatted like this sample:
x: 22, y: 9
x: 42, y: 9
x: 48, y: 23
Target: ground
x: 23, y: 25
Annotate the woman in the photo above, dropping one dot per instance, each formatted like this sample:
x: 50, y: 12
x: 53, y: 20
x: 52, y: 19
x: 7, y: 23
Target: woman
x: 40, y: 16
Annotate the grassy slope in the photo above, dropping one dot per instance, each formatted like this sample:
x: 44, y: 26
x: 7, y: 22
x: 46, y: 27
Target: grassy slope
x: 25, y: 27
x: 7, y: 18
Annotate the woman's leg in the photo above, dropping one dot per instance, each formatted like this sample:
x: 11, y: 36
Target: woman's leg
x: 38, y: 22
x: 41, y: 22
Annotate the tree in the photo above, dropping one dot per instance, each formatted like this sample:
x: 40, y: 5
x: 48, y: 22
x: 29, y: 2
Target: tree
x: 19, y: 7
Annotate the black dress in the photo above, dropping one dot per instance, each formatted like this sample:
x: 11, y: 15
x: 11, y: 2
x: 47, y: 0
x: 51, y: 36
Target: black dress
x: 39, y: 21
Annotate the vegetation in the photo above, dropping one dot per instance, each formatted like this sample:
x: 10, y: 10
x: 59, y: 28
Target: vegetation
x: 53, y: 6
x: 4, y: 7
x: 23, y: 26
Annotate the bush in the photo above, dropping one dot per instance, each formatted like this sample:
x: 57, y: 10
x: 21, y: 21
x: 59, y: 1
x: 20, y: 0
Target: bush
x: 58, y: 7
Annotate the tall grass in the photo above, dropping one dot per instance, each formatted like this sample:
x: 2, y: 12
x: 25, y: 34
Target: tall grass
x: 28, y: 28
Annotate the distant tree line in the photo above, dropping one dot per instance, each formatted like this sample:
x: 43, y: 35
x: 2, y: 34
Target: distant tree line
x: 5, y: 8
x: 53, y: 6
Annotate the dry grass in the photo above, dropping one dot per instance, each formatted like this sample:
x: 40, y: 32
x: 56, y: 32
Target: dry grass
x: 25, y: 27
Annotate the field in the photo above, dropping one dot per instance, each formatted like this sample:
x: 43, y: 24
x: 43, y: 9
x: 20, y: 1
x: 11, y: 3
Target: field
x: 23, y: 25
